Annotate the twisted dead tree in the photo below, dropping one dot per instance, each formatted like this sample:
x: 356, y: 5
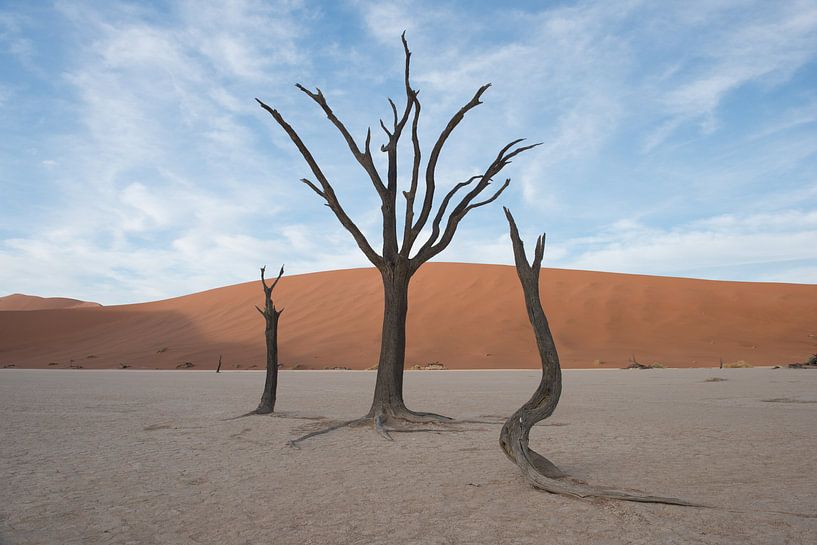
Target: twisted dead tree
x: 400, y: 259
x: 540, y: 472
x: 271, y: 316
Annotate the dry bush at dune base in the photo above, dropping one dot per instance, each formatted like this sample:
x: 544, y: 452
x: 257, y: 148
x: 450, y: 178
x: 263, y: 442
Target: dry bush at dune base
x: 738, y: 365
x: 432, y: 366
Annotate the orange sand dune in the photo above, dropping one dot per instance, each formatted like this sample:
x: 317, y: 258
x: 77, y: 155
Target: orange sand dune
x: 463, y: 316
x: 19, y: 301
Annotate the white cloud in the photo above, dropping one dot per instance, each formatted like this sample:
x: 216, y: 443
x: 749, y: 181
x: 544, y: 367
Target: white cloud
x: 163, y: 180
x: 763, y: 51
x: 166, y: 177
x: 708, y: 247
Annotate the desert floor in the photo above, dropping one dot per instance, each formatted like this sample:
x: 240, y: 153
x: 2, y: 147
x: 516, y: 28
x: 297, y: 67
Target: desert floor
x: 151, y: 457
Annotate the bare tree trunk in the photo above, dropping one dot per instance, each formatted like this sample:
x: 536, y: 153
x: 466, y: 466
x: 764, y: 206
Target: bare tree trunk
x: 540, y: 472
x: 271, y: 316
x: 388, y: 391
x: 515, y: 433
x: 267, y: 404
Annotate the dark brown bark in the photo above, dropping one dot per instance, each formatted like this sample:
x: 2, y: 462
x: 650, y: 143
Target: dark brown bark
x: 396, y: 262
x: 540, y: 472
x: 218, y: 369
x: 388, y: 391
x: 271, y: 316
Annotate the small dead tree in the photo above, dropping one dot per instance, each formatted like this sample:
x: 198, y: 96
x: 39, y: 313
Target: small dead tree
x: 540, y: 472
x: 398, y: 261
x: 271, y: 316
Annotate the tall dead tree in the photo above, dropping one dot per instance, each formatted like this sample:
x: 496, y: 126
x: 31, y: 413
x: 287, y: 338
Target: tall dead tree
x: 271, y: 316
x: 540, y: 472
x: 399, y: 260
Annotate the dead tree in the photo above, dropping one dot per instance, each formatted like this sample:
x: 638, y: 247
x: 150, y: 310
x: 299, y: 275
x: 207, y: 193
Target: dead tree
x: 271, y: 316
x: 399, y: 260
x: 540, y: 472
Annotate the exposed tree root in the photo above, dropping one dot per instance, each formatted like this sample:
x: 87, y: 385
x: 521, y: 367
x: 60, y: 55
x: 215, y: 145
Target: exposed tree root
x: 423, y: 418
x: 543, y: 474
x: 399, y: 421
x: 427, y: 430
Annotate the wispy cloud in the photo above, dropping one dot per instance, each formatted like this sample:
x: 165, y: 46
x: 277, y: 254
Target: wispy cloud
x: 765, y: 50
x: 717, y: 247
x: 136, y: 165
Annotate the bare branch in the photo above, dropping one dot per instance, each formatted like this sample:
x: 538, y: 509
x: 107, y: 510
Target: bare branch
x: 407, y: 53
x: 389, y: 209
x: 365, y: 157
x: 433, y: 246
x: 313, y: 187
x: 431, y: 167
x: 492, y: 199
x: 394, y: 111
x: 520, y: 150
x: 280, y: 274
x: 264, y: 282
x: 411, y: 194
x: 520, y: 258
x: 385, y: 147
x: 394, y: 136
x: 329, y: 193
x: 538, y: 254
x: 524, y: 268
x: 435, y: 225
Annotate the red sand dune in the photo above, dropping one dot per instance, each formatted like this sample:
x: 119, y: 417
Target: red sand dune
x: 463, y: 316
x: 19, y: 301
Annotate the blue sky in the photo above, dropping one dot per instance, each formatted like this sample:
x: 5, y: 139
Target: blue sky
x: 679, y: 138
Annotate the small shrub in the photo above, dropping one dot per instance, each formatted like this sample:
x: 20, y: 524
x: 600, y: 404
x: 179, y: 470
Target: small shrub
x: 636, y: 365
x: 738, y: 365
x: 432, y: 366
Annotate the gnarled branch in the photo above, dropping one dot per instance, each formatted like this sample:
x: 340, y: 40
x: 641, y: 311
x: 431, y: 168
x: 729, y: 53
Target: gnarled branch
x: 363, y: 157
x: 431, y: 167
x: 438, y: 241
x: 411, y: 194
x: 327, y: 190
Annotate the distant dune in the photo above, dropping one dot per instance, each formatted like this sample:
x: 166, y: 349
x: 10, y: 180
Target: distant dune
x: 19, y: 301
x: 463, y: 316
